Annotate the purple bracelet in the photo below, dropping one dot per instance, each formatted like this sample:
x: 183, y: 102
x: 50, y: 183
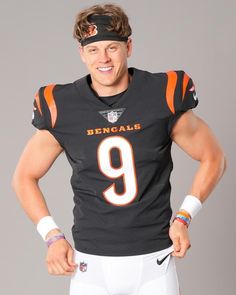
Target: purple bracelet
x: 54, y: 239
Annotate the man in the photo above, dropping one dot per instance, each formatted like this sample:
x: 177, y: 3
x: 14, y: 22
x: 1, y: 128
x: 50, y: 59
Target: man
x: 116, y: 126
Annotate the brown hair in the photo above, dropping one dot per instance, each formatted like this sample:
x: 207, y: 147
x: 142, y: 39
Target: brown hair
x: 119, y: 23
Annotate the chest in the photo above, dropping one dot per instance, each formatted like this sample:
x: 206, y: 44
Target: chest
x: 136, y: 129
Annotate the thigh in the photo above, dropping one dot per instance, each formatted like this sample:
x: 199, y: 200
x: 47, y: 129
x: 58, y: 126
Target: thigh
x: 165, y: 281
x: 79, y: 288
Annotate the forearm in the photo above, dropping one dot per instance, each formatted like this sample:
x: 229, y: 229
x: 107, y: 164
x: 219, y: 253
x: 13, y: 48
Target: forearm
x: 207, y: 176
x: 30, y: 198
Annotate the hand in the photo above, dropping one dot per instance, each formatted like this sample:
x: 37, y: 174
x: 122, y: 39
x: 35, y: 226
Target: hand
x: 179, y: 235
x: 60, y: 258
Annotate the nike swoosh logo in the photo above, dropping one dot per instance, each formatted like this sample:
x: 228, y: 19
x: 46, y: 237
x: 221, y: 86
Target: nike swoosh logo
x: 159, y: 262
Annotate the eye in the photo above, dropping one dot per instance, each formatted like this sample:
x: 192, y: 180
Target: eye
x: 112, y: 48
x: 92, y: 50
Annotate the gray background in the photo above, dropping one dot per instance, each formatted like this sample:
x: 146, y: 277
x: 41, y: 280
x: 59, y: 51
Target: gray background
x: 37, y: 48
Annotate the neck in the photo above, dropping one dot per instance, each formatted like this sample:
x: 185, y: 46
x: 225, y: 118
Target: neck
x: 109, y: 90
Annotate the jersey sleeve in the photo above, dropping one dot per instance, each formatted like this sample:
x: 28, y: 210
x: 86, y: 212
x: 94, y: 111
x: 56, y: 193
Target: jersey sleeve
x: 44, y: 108
x: 181, y: 95
x: 45, y: 111
x: 38, y: 115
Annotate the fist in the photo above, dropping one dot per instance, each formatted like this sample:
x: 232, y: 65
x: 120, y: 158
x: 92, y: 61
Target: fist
x: 180, y: 237
x: 59, y: 258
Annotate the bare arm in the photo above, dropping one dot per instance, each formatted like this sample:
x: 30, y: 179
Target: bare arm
x: 195, y: 138
x: 38, y: 156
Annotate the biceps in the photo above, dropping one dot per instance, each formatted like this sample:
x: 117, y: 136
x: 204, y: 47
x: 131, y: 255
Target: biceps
x: 194, y: 136
x: 38, y: 156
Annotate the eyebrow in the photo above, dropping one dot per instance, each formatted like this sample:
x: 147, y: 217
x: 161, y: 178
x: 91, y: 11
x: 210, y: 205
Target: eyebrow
x: 94, y: 46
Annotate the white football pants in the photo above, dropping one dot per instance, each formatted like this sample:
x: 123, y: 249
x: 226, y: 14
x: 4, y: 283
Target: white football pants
x: 125, y: 275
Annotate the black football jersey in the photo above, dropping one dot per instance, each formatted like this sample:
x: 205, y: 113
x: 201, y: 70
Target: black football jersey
x: 120, y: 155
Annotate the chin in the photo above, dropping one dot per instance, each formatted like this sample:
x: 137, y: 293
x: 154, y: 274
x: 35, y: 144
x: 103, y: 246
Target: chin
x: 105, y: 82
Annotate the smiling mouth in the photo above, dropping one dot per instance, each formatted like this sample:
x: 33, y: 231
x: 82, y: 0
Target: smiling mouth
x: 104, y: 69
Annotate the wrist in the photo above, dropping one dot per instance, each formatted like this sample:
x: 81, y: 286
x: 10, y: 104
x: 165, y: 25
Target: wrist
x: 54, y: 238
x: 189, y: 209
x: 52, y: 233
x: 45, y: 225
x: 179, y: 222
x: 192, y: 205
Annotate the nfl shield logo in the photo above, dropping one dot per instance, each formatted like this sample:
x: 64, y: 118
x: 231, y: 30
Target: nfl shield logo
x: 112, y: 117
x: 83, y: 266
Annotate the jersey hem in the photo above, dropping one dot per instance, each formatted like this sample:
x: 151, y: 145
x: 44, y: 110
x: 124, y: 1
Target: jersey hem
x: 157, y: 246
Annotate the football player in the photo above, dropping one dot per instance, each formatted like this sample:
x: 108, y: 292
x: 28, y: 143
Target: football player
x: 116, y: 126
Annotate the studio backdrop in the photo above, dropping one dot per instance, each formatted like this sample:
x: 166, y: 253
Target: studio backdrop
x: 37, y: 48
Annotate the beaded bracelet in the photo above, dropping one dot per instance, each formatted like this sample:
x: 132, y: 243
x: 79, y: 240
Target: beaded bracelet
x: 183, y: 217
x: 54, y: 239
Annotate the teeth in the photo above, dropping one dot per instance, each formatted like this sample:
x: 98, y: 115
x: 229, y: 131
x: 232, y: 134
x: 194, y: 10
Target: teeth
x: 105, y: 69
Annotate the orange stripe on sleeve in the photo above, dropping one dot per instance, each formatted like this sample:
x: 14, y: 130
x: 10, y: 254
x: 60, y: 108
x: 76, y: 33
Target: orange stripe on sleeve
x: 48, y: 94
x: 170, y: 89
x: 38, y: 103
x: 185, y: 83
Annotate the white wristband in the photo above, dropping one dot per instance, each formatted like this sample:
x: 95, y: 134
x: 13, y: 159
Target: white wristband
x: 45, y: 225
x: 192, y: 205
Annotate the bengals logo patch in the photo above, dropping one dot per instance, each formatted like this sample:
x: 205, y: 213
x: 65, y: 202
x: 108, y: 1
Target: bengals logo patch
x: 92, y: 31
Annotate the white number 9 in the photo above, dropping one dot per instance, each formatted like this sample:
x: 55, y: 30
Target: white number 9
x: 126, y: 169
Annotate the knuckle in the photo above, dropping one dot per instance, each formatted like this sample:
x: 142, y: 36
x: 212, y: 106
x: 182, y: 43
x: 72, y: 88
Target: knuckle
x: 67, y: 269
x: 48, y: 261
x: 57, y: 259
x: 187, y: 243
x: 61, y: 252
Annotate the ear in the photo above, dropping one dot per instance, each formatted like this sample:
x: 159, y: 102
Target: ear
x: 81, y: 51
x: 129, y: 47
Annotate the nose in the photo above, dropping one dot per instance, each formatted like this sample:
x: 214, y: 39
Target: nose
x: 104, y: 56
